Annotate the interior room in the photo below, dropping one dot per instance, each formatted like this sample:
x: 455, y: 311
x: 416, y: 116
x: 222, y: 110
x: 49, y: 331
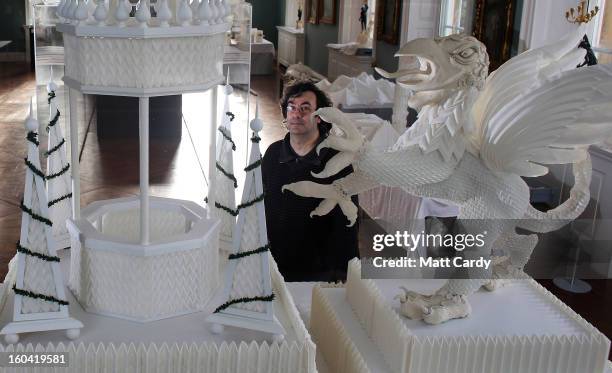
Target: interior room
x: 140, y: 233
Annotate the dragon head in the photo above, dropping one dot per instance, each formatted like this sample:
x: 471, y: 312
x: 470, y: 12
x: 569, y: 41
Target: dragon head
x: 445, y: 64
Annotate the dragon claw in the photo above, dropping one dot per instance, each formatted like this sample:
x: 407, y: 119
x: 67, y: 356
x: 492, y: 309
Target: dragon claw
x: 331, y: 196
x: 336, y: 164
x: 324, y: 207
x: 433, y: 309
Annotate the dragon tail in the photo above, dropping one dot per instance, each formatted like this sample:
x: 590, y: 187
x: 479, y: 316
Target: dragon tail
x: 543, y: 222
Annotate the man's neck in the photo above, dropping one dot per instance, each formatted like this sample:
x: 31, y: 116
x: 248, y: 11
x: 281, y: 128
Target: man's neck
x: 303, y: 144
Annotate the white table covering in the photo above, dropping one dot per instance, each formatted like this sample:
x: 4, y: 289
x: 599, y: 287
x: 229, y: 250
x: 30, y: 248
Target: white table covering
x: 237, y: 61
x: 262, y: 58
x: 265, y: 46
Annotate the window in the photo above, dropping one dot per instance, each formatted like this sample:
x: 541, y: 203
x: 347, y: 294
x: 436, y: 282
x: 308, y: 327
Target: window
x: 601, y: 38
x: 456, y: 17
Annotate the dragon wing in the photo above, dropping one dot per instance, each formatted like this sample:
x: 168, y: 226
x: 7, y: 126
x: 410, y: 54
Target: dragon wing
x: 524, y: 72
x: 551, y: 124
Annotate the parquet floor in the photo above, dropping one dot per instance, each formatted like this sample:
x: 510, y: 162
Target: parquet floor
x: 109, y: 169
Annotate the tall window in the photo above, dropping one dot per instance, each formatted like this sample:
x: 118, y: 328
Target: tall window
x: 456, y: 17
x: 602, y: 34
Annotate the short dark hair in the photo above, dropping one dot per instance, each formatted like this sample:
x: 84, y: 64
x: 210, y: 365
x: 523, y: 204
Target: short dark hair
x: 300, y: 87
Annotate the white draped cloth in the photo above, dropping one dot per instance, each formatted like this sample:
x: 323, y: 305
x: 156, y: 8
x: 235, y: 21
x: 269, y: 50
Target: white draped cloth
x: 362, y: 90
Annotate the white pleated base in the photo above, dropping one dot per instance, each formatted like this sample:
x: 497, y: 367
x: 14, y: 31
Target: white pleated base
x: 112, y: 274
x: 520, y: 328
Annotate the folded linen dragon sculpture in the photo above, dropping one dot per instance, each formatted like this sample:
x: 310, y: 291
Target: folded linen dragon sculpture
x: 475, y: 139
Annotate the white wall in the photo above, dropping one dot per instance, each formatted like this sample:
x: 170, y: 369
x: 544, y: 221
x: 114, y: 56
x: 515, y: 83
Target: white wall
x: 291, y: 8
x: 544, y: 22
x: 420, y: 19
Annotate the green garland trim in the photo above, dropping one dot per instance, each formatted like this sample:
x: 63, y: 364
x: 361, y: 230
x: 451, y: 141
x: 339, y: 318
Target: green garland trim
x: 255, y: 138
x: 227, y: 209
x: 53, y: 121
x: 250, y: 203
x: 33, y: 215
x: 33, y: 168
x: 50, y: 96
x: 53, y: 202
x: 227, y: 174
x: 30, y: 294
x: 33, y: 138
x: 222, y: 207
x: 265, y: 298
x: 253, y: 165
x: 41, y: 174
x: 55, y: 148
x: 230, y: 115
x: 239, y: 207
x: 47, y: 258
x: 227, y: 137
x: 248, y: 253
x: 59, y: 173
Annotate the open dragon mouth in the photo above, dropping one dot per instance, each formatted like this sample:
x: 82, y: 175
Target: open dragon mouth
x: 424, y: 73
x: 412, y: 78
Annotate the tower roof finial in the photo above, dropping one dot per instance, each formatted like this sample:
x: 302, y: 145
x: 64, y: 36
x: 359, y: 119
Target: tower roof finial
x: 256, y: 123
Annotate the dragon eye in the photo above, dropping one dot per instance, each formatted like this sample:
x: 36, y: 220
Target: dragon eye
x: 467, y: 53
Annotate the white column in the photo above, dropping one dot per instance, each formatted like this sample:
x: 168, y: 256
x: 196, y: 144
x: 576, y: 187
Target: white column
x: 212, y: 151
x: 143, y: 122
x: 74, y: 155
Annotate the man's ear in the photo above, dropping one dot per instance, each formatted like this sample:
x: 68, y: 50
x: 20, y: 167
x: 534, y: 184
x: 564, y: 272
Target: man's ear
x: 318, y: 119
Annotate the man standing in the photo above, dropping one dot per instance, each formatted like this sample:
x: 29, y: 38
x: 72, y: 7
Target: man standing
x: 306, y: 248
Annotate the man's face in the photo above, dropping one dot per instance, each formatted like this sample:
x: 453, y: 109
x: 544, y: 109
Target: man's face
x: 300, y: 120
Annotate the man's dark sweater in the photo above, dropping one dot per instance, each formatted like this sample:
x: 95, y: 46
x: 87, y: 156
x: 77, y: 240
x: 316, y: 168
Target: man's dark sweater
x: 305, y: 248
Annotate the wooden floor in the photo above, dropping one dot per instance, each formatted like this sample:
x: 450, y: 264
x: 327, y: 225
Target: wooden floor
x: 109, y: 169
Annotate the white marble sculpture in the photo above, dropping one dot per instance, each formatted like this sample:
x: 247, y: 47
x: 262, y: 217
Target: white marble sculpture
x: 475, y: 140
